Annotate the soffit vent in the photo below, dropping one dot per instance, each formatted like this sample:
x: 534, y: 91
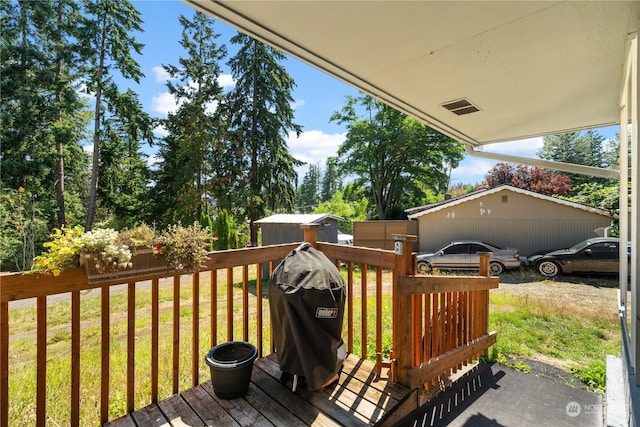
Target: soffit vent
x: 461, y: 107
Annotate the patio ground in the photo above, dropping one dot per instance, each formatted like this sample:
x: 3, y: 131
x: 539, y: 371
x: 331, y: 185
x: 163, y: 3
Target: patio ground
x: 495, y: 395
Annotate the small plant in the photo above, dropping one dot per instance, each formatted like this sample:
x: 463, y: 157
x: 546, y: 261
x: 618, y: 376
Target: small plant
x: 594, y: 375
x: 63, y: 251
x: 184, y: 248
x: 102, y: 248
x: 141, y: 235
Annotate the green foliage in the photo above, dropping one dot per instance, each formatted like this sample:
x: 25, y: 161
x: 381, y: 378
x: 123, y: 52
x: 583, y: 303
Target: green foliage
x: 349, y: 210
x: 224, y: 231
x: 580, y: 148
x: 526, y: 328
x: 260, y: 116
x: 601, y: 196
x: 207, y: 223
x: 63, y: 251
x: 124, y: 172
x: 42, y: 115
x: 22, y: 229
x: 194, y: 160
x: 594, y: 375
x: 597, y: 195
x: 389, y: 152
x: 184, y: 248
x: 108, y: 45
x: 331, y: 179
x: 308, y: 192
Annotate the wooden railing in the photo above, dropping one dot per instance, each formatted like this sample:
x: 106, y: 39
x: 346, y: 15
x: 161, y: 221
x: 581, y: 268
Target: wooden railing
x: 183, y: 316
x: 440, y: 322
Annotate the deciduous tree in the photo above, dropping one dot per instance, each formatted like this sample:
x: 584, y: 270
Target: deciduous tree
x: 391, y: 153
x: 528, y: 178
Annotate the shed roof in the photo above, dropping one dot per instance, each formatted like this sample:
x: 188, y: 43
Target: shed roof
x: 419, y: 211
x: 297, y: 218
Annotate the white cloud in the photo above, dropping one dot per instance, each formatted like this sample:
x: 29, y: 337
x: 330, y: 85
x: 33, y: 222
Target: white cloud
x: 160, y: 132
x: 226, y: 81
x: 313, y: 147
x: 160, y: 74
x: 297, y: 104
x: 164, y: 103
x: 523, y: 147
x: 473, y: 169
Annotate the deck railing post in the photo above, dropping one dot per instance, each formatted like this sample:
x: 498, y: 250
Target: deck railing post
x: 402, y: 312
x: 310, y: 233
x: 484, y: 269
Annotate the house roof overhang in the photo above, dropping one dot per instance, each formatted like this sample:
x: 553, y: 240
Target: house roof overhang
x: 529, y: 68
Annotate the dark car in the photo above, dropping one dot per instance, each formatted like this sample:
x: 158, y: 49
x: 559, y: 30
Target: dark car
x: 462, y: 255
x: 595, y: 255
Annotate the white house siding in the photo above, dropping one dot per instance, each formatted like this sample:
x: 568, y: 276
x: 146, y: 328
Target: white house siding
x: 528, y: 223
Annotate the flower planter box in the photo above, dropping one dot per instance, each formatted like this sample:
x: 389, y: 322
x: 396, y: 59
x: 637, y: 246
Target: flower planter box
x: 144, y: 264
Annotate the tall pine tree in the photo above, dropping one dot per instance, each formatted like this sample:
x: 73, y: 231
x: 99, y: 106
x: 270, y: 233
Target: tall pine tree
x: 108, y: 44
x: 308, y: 191
x: 41, y: 114
x: 186, y: 153
x: 260, y: 117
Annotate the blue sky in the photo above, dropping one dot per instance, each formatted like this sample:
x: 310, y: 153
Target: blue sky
x: 316, y: 96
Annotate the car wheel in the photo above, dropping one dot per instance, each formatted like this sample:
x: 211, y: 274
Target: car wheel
x: 424, y: 267
x: 548, y: 268
x: 496, y: 269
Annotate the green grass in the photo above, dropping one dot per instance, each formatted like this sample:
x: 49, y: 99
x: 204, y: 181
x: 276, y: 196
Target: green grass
x: 575, y: 340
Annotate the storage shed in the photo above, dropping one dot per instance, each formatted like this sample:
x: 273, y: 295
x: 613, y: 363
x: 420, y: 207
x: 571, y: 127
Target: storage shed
x: 507, y: 216
x: 285, y: 228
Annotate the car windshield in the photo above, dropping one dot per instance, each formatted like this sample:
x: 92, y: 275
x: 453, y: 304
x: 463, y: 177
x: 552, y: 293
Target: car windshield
x: 579, y: 246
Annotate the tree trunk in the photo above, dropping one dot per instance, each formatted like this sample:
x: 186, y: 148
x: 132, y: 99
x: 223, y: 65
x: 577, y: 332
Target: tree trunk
x: 60, y: 159
x: 93, y: 189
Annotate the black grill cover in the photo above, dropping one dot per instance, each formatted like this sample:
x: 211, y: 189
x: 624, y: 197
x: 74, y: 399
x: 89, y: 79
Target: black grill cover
x: 306, y: 299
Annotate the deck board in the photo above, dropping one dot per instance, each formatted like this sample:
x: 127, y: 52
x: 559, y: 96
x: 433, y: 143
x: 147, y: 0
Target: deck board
x: 357, y: 399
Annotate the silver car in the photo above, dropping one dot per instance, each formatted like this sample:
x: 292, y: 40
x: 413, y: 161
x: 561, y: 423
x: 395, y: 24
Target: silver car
x: 462, y: 255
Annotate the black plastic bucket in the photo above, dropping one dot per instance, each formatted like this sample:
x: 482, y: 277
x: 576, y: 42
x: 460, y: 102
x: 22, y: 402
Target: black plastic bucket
x: 231, y: 364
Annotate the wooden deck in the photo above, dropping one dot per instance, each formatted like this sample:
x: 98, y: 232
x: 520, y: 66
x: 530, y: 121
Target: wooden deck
x: 357, y: 399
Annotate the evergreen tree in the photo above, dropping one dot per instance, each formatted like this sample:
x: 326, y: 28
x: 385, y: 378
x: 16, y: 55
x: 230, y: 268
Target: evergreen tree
x: 578, y: 148
x: 123, y: 167
x: 41, y: 113
x: 108, y: 44
x: 260, y: 116
x: 190, y: 152
x: 331, y: 181
x: 308, y: 191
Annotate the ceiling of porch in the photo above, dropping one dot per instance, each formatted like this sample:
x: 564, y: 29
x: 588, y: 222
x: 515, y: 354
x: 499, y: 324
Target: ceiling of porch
x: 520, y: 69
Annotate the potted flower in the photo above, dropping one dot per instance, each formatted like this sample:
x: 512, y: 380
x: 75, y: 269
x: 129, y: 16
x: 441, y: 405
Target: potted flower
x: 184, y: 248
x: 106, y: 253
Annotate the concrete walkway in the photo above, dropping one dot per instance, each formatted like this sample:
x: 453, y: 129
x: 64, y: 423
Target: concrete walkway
x: 494, y: 395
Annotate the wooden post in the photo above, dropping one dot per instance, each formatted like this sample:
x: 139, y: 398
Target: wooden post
x: 311, y: 233
x: 485, y: 269
x: 402, y: 314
